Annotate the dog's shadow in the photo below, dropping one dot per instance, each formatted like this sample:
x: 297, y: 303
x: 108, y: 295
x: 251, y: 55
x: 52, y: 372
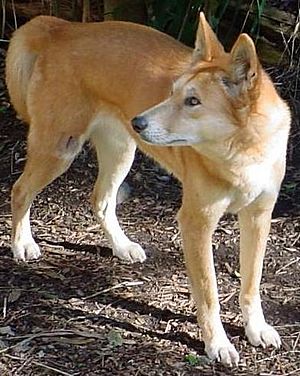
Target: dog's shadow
x: 112, y: 299
x: 92, y: 249
x: 165, y: 315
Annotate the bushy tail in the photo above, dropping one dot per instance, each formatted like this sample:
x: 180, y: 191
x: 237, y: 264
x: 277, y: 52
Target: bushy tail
x: 26, y: 44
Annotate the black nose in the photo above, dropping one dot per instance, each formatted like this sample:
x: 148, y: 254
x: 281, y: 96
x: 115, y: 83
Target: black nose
x: 139, y: 123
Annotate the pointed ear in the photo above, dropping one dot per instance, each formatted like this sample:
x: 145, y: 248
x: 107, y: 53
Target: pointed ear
x: 244, y: 67
x: 207, y: 45
x: 245, y: 63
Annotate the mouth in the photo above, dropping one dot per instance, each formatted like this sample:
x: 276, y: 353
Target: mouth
x: 163, y: 142
x: 178, y: 142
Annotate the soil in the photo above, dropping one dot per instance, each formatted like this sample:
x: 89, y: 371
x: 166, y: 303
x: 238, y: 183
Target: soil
x: 80, y: 311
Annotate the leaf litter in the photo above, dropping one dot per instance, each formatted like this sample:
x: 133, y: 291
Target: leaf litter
x: 80, y: 311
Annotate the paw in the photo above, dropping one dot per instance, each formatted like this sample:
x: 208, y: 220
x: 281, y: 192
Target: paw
x: 132, y: 252
x: 262, y: 334
x: 27, y: 251
x: 223, y: 351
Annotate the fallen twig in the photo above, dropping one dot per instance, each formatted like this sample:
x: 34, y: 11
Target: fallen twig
x: 287, y: 265
x: 119, y: 285
x: 55, y: 333
x: 43, y: 366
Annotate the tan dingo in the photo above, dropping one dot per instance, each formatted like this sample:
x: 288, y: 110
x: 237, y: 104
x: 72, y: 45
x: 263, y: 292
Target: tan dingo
x: 212, y: 118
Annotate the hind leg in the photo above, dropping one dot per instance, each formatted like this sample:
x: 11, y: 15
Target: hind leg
x: 115, y: 152
x: 41, y: 168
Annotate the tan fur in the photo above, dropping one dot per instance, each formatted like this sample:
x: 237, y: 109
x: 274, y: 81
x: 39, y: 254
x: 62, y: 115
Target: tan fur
x: 72, y: 82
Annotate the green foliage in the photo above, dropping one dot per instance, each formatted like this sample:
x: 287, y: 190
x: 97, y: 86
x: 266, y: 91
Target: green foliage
x: 289, y: 188
x: 192, y: 359
x: 180, y: 18
x: 177, y: 18
x: 260, y: 6
x: 115, y: 338
x: 195, y: 360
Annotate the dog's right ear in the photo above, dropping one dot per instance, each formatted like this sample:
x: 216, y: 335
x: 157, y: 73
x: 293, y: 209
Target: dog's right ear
x: 245, y: 68
x: 207, y: 45
x: 245, y: 64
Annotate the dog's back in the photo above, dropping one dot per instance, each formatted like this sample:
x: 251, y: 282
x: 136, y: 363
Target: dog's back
x: 97, y: 49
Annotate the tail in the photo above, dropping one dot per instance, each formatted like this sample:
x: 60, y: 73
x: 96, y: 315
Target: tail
x: 25, y: 46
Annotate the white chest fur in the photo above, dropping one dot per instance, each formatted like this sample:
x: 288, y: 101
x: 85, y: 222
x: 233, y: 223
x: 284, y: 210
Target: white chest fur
x: 254, y: 181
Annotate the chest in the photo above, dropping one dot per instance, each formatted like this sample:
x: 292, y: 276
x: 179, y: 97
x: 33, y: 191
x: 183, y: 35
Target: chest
x: 251, y: 183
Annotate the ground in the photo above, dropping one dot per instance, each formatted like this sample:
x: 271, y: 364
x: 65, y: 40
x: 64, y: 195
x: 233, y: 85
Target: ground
x: 80, y: 311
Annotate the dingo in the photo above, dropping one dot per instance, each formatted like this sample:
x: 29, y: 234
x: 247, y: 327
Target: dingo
x: 212, y: 118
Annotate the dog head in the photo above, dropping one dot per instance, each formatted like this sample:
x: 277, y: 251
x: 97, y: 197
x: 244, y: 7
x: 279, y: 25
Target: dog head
x: 211, y: 100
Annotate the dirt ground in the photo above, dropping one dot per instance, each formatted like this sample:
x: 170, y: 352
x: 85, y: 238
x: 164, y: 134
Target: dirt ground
x: 80, y: 311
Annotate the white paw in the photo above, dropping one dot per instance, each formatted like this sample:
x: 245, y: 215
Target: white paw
x: 27, y: 251
x: 222, y: 351
x: 262, y: 334
x: 132, y: 252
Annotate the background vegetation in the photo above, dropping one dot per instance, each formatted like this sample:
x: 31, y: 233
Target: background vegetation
x: 276, y: 21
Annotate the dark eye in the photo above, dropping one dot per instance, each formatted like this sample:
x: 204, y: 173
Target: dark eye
x: 192, y: 101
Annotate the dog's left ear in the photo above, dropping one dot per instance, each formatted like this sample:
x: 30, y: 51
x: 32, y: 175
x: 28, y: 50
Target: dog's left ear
x: 207, y: 45
x: 244, y: 63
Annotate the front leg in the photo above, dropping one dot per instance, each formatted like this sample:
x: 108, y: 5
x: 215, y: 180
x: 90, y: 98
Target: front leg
x: 197, y: 224
x: 254, y: 226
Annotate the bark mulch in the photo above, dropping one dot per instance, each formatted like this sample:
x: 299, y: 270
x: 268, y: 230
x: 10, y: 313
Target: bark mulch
x: 80, y: 311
